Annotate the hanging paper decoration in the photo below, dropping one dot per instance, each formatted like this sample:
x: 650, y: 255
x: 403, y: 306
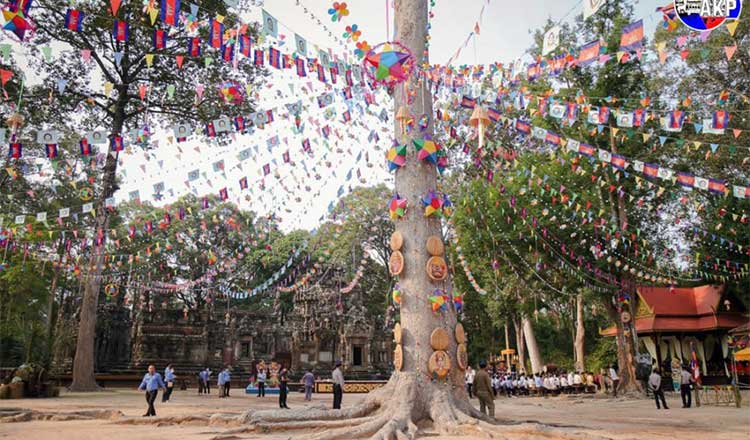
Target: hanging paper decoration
x: 479, y: 120
x: 170, y: 12
x: 396, y: 294
x: 388, y: 64
x: 216, y: 34
x: 439, y: 300
x: 352, y: 33
x: 120, y: 31
x: 74, y: 20
x: 397, y: 207
x: 427, y: 150
x: 231, y: 92
x: 396, y: 157
x: 160, y: 39
x: 16, y: 150
x: 433, y: 204
x: 194, y: 49
x: 338, y: 11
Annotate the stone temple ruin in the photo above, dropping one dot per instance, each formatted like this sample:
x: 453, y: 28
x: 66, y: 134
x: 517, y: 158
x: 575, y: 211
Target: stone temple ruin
x: 311, y: 327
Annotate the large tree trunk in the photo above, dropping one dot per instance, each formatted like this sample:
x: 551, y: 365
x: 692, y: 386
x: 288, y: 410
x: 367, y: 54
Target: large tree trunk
x: 411, y: 395
x: 625, y: 356
x: 580, y: 333
x: 83, y: 363
x: 520, y: 345
x: 534, y: 355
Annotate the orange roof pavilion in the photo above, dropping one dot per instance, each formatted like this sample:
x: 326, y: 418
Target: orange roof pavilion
x: 684, y: 309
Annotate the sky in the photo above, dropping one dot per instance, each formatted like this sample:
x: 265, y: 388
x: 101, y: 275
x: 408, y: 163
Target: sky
x: 300, y: 194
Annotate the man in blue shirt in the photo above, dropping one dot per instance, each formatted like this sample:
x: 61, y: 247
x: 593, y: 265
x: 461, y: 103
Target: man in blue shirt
x: 203, y: 381
x: 224, y: 380
x: 169, y: 378
x: 151, y: 383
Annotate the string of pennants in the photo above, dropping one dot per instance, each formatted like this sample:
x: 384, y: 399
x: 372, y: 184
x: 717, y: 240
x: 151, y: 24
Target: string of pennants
x: 688, y: 180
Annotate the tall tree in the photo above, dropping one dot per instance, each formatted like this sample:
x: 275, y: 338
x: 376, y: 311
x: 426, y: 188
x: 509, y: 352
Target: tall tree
x: 116, y: 45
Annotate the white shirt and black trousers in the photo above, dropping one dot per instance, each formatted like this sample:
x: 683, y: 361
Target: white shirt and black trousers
x: 338, y: 387
x: 687, y: 397
x: 654, y: 381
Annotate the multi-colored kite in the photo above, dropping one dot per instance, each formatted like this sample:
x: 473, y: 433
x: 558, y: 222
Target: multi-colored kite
x: 396, y: 157
x: 427, y: 149
x: 397, y: 207
x: 433, y: 204
x: 439, y: 300
x: 388, y: 64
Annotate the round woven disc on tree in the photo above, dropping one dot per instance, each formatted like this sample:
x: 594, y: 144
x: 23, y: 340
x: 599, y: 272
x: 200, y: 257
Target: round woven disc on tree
x: 439, y: 364
x: 460, y: 334
x: 435, y: 246
x: 436, y: 268
x: 398, y: 357
x: 397, y: 333
x: 397, y: 240
x: 396, y: 263
x: 439, y: 339
x: 462, y: 357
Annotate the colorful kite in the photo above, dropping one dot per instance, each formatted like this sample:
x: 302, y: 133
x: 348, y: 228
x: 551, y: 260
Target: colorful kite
x: 433, y: 204
x: 16, y: 23
x: 397, y: 207
x: 427, y: 150
x: 439, y: 300
x: 396, y: 157
x: 388, y: 63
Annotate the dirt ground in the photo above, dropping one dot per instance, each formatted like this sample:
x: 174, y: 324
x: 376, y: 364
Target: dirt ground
x: 564, y: 417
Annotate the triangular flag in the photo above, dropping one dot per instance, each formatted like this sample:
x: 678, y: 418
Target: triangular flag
x: 149, y: 59
x: 114, y: 6
x: 729, y: 51
x: 732, y: 26
x: 180, y: 59
x: 737, y: 133
x: 5, y: 75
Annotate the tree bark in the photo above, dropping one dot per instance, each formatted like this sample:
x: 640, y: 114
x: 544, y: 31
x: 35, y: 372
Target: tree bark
x: 534, y: 355
x: 521, y: 347
x: 83, y: 363
x: 580, y: 334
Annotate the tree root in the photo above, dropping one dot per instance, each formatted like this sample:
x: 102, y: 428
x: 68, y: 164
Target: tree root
x: 24, y: 415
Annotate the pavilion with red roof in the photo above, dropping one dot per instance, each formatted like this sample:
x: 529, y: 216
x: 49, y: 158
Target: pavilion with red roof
x: 671, y: 320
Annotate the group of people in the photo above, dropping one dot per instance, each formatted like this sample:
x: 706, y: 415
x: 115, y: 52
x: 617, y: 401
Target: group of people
x: 152, y: 382
x: 520, y: 384
x: 686, y: 384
